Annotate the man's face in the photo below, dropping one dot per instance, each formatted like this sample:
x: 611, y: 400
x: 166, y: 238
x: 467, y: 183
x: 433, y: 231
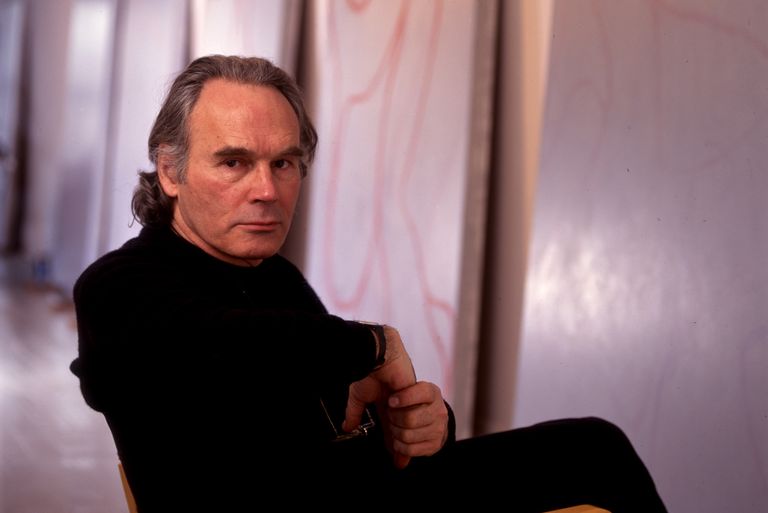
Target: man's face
x: 243, y: 177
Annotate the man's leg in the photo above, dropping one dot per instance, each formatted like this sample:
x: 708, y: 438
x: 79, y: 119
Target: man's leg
x: 547, y: 466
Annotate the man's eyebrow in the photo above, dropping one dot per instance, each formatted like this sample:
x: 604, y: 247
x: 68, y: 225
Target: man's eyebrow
x: 239, y: 151
x: 233, y: 151
x: 293, y: 151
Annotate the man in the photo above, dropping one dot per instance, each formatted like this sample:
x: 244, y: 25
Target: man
x: 222, y: 376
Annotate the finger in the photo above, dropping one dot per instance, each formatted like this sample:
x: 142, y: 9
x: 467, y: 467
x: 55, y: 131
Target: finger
x: 418, y: 416
x: 413, y: 417
x: 427, y: 448
x: 353, y: 413
x: 422, y: 392
x: 418, y: 435
x: 401, y: 460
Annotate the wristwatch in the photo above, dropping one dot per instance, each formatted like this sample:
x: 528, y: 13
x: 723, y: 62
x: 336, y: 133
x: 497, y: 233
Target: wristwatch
x: 378, y: 332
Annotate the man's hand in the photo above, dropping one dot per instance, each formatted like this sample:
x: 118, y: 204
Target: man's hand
x: 395, y: 374
x: 417, y: 422
x: 414, y: 414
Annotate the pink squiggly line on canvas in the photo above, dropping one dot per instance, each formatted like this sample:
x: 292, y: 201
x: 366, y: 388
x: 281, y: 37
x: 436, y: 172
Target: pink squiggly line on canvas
x: 384, y: 77
x: 432, y: 301
x: 390, y: 58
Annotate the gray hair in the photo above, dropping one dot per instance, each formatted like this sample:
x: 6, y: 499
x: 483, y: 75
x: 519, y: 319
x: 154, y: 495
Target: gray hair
x: 170, y: 133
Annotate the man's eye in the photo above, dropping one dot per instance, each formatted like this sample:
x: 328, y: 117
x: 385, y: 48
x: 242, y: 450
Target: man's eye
x: 231, y: 163
x: 282, y: 163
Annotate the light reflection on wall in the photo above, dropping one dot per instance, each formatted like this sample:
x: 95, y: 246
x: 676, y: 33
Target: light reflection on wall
x: 647, y: 299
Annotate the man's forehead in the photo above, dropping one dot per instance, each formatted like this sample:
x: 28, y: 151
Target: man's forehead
x: 221, y: 98
x: 230, y: 114
x: 224, y: 93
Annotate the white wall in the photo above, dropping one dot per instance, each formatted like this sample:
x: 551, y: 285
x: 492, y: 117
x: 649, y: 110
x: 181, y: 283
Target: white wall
x: 647, y: 292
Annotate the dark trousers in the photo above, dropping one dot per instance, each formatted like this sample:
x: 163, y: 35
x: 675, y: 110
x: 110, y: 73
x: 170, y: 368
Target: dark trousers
x: 535, y: 469
x: 546, y: 466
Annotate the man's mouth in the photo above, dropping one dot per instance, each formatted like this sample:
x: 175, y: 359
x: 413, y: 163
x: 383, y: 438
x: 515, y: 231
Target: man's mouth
x: 260, y: 226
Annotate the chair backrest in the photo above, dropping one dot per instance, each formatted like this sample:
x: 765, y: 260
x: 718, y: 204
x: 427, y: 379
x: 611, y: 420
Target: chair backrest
x: 127, y: 489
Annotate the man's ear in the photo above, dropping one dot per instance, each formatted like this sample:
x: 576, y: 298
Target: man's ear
x: 166, y: 173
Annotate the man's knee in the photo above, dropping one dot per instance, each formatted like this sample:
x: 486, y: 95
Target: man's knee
x: 602, y: 427
x: 600, y: 433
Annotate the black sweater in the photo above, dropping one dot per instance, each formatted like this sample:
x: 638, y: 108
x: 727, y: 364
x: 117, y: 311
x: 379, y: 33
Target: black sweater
x: 210, y: 375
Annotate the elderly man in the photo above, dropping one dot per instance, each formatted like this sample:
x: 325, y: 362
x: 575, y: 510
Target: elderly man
x: 221, y: 374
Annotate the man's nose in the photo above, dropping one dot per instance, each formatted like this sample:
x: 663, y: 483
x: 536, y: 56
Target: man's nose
x: 261, y: 184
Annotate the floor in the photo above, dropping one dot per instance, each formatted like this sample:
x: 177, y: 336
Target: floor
x: 56, y: 455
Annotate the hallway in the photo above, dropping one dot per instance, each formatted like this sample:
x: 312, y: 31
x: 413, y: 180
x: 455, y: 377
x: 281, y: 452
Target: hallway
x: 56, y: 455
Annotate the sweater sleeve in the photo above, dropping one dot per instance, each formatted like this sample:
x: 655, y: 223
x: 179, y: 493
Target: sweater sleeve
x: 141, y: 323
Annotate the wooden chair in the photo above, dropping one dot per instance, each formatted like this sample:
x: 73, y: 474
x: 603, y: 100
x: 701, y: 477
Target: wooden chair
x: 581, y: 509
x: 127, y: 489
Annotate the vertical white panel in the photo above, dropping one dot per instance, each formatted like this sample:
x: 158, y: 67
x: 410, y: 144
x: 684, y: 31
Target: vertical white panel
x: 151, y: 37
x: 647, y: 296
x: 11, y: 24
x: 392, y: 88
x: 71, y: 46
x: 82, y: 140
x: 48, y: 40
x: 258, y: 28
x: 524, y: 39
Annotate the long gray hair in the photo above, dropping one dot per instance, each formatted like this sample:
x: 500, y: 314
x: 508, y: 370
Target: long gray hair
x: 170, y: 133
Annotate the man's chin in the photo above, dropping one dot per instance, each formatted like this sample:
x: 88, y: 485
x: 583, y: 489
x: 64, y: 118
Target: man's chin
x: 260, y: 253
x: 251, y: 250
